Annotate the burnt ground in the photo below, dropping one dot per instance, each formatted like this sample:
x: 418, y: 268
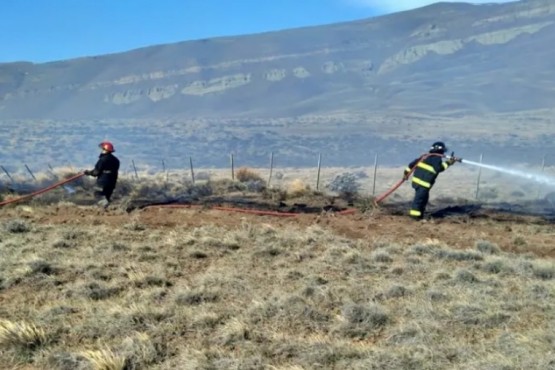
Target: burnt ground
x: 520, y: 228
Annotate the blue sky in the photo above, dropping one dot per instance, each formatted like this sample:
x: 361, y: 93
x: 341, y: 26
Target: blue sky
x: 47, y: 30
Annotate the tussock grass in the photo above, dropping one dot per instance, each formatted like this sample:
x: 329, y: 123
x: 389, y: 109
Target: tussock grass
x: 21, y: 335
x: 245, y: 174
x: 261, y: 296
x: 16, y: 226
x: 544, y: 270
x: 487, y: 247
x: 297, y: 188
x: 362, y: 321
x: 105, y: 359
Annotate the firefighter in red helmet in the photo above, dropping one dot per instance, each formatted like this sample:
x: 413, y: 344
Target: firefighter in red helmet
x: 106, y: 173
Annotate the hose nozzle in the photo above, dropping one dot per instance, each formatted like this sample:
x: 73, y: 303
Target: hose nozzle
x: 452, y: 157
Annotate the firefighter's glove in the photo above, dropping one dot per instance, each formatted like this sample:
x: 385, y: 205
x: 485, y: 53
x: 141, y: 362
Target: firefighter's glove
x: 451, y: 161
x: 88, y: 172
x: 406, y: 176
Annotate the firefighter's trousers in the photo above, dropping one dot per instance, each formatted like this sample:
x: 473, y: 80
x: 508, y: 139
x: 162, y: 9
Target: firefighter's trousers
x: 421, y: 196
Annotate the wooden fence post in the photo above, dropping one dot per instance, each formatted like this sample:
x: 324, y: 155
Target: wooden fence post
x: 192, y: 170
x: 375, y: 172
x: 232, y: 166
x: 7, y: 173
x: 135, y: 169
x: 479, y: 176
x: 319, y: 168
x: 30, y: 172
x: 271, y: 168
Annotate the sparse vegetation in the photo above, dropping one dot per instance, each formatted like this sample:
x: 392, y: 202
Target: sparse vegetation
x: 164, y: 289
x: 170, y: 289
x: 247, y: 175
x: 16, y: 226
x: 298, y: 188
x: 346, y: 185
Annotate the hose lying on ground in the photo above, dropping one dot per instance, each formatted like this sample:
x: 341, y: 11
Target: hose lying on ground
x: 41, y: 191
x: 242, y: 210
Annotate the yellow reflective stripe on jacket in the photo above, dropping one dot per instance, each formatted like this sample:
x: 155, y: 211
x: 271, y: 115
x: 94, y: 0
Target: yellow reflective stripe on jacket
x: 445, y: 165
x: 423, y: 183
x: 427, y: 167
x: 414, y: 212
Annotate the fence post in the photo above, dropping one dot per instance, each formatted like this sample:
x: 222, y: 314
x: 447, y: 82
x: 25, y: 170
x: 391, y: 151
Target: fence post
x: 7, y: 173
x: 271, y: 168
x: 30, y: 172
x: 375, y: 172
x: 135, y: 169
x: 232, y: 167
x: 51, y: 170
x: 319, y: 167
x: 192, y: 170
x: 479, y: 176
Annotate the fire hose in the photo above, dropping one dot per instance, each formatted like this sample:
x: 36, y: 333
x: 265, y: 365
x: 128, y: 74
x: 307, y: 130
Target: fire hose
x: 398, y: 184
x: 41, y: 191
x: 345, y: 212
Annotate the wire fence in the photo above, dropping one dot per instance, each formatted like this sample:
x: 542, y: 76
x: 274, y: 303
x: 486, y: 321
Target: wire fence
x: 468, y: 182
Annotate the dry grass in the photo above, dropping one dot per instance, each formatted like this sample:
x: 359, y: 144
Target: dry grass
x: 298, y: 188
x: 260, y: 296
x: 21, y: 335
x: 104, y: 359
x: 245, y: 174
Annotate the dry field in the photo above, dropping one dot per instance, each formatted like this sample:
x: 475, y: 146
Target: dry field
x: 157, y: 288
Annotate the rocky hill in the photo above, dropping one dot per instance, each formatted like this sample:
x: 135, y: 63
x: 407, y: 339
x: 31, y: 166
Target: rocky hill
x: 480, y: 77
x: 449, y: 58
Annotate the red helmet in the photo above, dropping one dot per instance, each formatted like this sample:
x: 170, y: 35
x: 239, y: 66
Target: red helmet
x: 107, y: 146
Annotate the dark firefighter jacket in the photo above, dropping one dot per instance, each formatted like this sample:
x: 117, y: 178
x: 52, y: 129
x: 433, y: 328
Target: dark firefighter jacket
x: 426, y: 170
x: 106, y: 170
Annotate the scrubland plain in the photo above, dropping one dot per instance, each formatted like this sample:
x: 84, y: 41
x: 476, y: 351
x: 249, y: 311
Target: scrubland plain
x: 156, y: 288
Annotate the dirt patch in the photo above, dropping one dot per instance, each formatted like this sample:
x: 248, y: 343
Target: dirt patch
x: 456, y: 226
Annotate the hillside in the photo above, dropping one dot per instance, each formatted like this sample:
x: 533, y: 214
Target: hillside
x: 479, y: 77
x: 444, y: 58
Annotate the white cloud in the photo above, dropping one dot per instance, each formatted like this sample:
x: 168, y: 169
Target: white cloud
x: 389, y: 6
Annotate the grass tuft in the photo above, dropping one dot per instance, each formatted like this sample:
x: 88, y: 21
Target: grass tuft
x: 544, y: 271
x: 105, y: 359
x: 487, y: 247
x: 21, y: 335
x: 196, y: 297
x: 362, y: 321
x: 465, y: 276
x: 17, y: 226
x: 247, y: 175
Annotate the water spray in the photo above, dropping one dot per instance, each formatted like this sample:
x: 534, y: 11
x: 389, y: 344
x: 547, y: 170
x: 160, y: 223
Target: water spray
x: 538, y: 178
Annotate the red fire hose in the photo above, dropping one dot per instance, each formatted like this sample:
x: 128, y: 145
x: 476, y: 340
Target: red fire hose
x: 38, y: 192
x: 243, y: 210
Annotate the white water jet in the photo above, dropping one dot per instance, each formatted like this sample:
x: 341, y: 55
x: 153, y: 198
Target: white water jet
x: 539, y: 178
